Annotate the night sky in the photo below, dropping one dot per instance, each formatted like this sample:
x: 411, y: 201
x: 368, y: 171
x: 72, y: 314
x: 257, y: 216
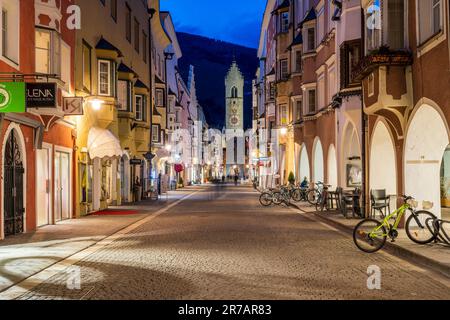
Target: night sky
x: 235, y: 21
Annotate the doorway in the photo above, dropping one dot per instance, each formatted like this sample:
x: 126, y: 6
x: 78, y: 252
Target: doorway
x: 62, y: 186
x: 43, y: 186
x: 13, y: 186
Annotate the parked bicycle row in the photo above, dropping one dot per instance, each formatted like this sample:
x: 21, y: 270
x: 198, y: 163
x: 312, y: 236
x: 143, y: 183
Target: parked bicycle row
x: 371, y: 234
x: 317, y: 194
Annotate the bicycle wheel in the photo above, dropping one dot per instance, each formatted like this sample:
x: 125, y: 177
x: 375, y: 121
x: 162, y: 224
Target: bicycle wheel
x: 296, y: 195
x: 277, y: 198
x: 265, y: 199
x: 312, y: 197
x: 420, y: 227
x: 369, y: 235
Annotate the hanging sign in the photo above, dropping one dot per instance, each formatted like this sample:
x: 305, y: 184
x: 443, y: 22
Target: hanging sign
x: 41, y: 95
x: 135, y: 162
x: 73, y: 106
x: 12, y: 97
x: 179, y: 168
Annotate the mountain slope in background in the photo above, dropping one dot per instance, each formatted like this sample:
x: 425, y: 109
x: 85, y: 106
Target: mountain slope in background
x: 211, y: 60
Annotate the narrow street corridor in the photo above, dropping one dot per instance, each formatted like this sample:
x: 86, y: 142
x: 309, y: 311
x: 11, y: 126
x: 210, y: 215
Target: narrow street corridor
x: 219, y: 243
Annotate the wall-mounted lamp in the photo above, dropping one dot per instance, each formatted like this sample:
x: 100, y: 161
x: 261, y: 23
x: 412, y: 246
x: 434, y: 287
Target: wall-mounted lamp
x: 97, y: 104
x: 283, y: 131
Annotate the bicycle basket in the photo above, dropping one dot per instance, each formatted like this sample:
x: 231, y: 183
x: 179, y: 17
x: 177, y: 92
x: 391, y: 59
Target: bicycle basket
x: 427, y: 205
x: 414, y: 204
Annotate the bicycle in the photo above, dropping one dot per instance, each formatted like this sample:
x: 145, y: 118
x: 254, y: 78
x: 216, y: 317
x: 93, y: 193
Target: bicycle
x: 266, y: 198
x: 299, y: 194
x: 282, y: 196
x: 323, y: 201
x: 313, y: 195
x: 370, y: 235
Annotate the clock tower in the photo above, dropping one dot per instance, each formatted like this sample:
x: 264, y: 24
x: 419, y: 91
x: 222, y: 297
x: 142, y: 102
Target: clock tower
x: 234, y: 122
x: 234, y: 84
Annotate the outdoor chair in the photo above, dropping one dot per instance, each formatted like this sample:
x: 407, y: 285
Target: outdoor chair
x: 334, y: 198
x: 380, y: 202
x: 349, y: 202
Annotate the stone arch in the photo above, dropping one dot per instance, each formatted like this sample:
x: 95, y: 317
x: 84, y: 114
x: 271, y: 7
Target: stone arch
x: 383, y: 168
x: 426, y: 140
x: 305, y: 170
x: 318, y: 161
x: 332, y: 172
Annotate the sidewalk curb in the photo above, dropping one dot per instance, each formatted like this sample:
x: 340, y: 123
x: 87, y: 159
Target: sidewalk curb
x: 395, y: 249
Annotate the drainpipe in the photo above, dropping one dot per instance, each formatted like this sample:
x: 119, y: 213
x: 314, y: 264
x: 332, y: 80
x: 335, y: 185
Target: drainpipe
x: 364, y: 127
x: 151, y: 13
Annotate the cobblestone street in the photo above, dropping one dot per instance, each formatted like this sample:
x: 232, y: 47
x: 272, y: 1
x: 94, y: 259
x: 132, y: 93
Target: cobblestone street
x: 221, y: 244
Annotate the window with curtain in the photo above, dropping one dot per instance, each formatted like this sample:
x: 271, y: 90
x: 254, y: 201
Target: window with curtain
x: 48, y: 52
x: 373, y: 25
x: 10, y: 42
x: 429, y: 14
x: 123, y: 95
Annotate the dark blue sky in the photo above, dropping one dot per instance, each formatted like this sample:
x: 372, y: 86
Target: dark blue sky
x: 235, y: 21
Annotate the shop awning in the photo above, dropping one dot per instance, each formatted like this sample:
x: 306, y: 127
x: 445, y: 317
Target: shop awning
x: 102, y: 143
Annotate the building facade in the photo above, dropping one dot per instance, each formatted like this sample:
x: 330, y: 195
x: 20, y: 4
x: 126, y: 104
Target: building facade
x: 37, y: 158
x: 355, y: 87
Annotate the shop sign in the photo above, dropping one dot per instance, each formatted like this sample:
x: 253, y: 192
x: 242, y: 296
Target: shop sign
x: 135, y: 162
x: 73, y: 106
x: 41, y: 95
x: 12, y: 97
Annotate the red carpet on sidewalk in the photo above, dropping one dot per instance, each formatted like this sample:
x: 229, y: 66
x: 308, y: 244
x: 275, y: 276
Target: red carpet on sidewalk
x: 115, y: 212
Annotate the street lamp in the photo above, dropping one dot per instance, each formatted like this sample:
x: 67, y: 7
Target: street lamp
x: 283, y: 131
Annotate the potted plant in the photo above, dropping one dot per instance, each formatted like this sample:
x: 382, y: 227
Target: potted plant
x: 291, y: 178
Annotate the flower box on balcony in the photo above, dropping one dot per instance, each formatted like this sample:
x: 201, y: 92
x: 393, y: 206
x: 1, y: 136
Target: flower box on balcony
x: 381, y: 57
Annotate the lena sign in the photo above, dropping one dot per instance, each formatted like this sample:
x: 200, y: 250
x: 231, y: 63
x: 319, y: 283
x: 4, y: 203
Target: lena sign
x: 12, y: 97
x: 41, y: 95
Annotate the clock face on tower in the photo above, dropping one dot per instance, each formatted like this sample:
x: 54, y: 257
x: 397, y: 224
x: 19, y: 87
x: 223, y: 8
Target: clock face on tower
x: 234, y: 120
